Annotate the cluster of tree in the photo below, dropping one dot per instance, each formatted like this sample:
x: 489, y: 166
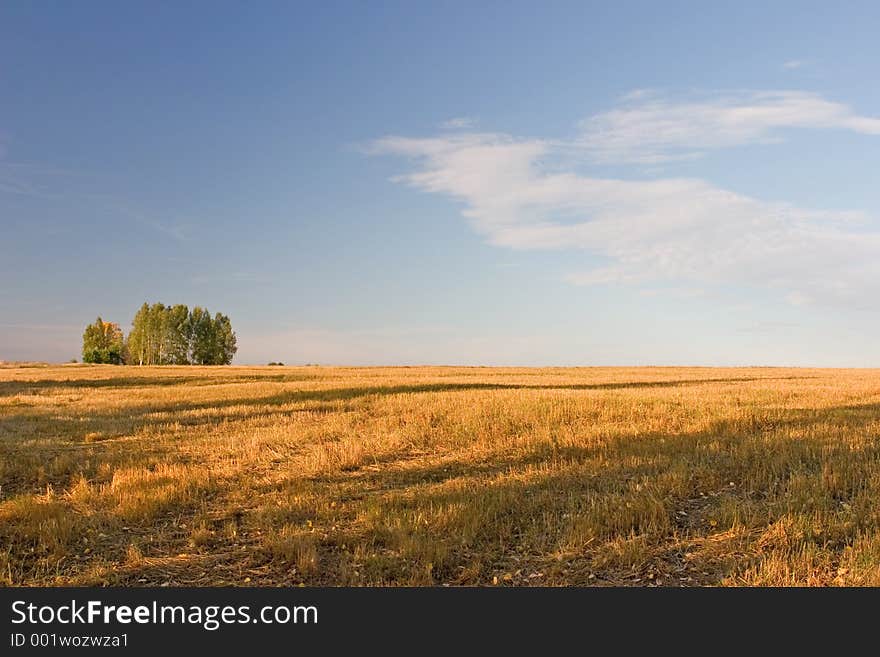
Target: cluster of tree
x: 165, y: 335
x: 103, y: 343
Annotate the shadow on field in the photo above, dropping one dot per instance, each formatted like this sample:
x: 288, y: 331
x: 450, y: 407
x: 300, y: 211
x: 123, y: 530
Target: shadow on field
x: 126, y: 420
x: 8, y: 388
x: 697, y: 507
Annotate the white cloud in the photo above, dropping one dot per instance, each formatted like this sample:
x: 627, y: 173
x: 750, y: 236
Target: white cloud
x: 792, y: 64
x: 650, y: 128
x: 672, y: 231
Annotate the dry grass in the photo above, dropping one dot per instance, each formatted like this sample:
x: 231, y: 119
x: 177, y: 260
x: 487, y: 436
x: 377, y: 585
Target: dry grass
x: 461, y: 476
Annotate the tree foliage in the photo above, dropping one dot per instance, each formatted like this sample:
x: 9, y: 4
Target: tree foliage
x: 175, y: 335
x: 103, y: 343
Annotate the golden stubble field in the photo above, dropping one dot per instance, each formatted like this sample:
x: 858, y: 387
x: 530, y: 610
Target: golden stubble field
x: 282, y: 476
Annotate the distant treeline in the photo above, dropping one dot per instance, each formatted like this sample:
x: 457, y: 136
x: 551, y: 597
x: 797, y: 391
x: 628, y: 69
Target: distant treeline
x: 163, y: 335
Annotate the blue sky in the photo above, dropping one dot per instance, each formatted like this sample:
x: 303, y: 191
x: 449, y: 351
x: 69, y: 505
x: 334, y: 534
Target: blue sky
x: 461, y: 183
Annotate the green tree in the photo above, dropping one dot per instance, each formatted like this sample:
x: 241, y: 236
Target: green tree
x: 137, y: 337
x: 176, y: 335
x: 224, y: 340
x: 102, y: 343
x: 202, y: 337
x: 156, y: 324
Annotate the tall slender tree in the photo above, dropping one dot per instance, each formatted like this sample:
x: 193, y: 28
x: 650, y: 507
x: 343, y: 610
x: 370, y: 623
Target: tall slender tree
x: 157, y: 324
x: 202, y: 342
x: 138, y: 340
x: 176, y: 335
x: 224, y: 340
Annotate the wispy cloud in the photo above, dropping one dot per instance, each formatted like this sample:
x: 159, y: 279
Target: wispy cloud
x: 177, y: 232
x: 793, y: 64
x: 649, y: 128
x: 56, y: 183
x: 27, y: 179
x: 36, y: 179
x: 683, y: 232
x: 769, y: 327
x: 459, y: 123
x: 676, y: 292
